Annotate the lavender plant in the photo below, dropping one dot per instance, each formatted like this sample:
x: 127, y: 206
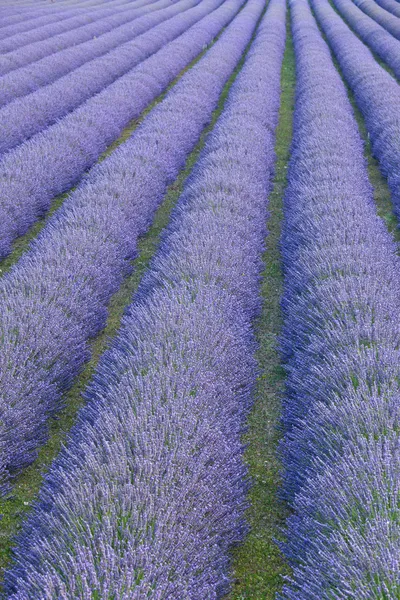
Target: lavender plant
x: 391, y: 6
x: 70, y: 21
x: 53, y: 160
x: 149, y: 493
x: 340, y: 340
x: 375, y: 36
x: 381, y: 16
x: 57, y: 294
x: 377, y: 94
x: 25, y: 80
x: 31, y: 52
x: 26, y: 116
x: 43, y: 18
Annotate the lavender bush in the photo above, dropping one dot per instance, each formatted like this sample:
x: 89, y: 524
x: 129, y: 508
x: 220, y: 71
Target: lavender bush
x: 340, y: 340
x: 61, y: 287
x: 26, y: 116
x: 375, y: 36
x: 52, y: 161
x: 386, y: 19
x: 46, y: 70
x: 42, y: 18
x: 70, y: 21
x: 377, y: 94
x: 157, y: 449
x: 34, y: 51
x: 13, y: 24
x: 391, y: 6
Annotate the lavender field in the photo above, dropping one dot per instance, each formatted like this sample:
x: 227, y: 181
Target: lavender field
x: 200, y: 299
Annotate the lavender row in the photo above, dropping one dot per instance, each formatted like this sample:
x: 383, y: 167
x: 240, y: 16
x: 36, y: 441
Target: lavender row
x: 391, y: 6
x: 25, y: 117
x: 158, y: 447
x: 13, y: 15
x: 381, y: 16
x: 35, y: 51
x: 63, y: 284
x: 25, y: 80
x: 70, y: 21
x: 377, y: 94
x: 375, y: 36
x: 340, y: 339
x: 53, y: 160
x: 42, y: 17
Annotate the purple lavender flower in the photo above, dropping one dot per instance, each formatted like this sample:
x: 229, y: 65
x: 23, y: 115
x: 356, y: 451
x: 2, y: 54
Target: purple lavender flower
x: 26, y: 116
x: 340, y: 340
x: 32, y: 46
x: 377, y: 94
x: 55, y: 299
x: 53, y: 160
x: 381, y: 16
x: 25, y: 80
x: 375, y: 36
x: 149, y: 494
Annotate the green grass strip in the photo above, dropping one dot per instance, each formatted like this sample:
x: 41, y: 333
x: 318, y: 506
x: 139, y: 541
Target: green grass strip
x: 257, y: 564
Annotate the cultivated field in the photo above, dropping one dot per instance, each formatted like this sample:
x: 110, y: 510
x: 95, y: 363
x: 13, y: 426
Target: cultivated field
x: 199, y: 299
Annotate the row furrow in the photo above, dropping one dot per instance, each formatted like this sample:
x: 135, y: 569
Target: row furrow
x: 158, y: 450
x: 341, y: 410
x: 53, y: 160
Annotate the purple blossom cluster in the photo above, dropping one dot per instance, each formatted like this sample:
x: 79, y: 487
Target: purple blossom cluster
x: 377, y: 94
x: 26, y: 116
x: 16, y: 26
x: 91, y: 24
x: 53, y: 160
x: 25, y: 80
x: 67, y: 22
x: 148, y: 496
x: 55, y: 298
x: 390, y: 5
x: 381, y: 16
x: 375, y: 36
x: 340, y: 341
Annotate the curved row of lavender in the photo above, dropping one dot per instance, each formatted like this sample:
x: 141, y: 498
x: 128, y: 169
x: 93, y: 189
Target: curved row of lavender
x: 33, y: 22
x: 54, y: 160
x: 390, y: 5
x: 26, y: 116
x: 44, y: 17
x: 117, y: 16
x: 55, y: 299
x: 341, y: 411
x: 25, y: 80
x: 377, y: 94
x: 380, y: 15
x: 149, y: 495
x: 32, y: 52
x: 38, y: 34
x: 376, y: 37
x: 14, y: 14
